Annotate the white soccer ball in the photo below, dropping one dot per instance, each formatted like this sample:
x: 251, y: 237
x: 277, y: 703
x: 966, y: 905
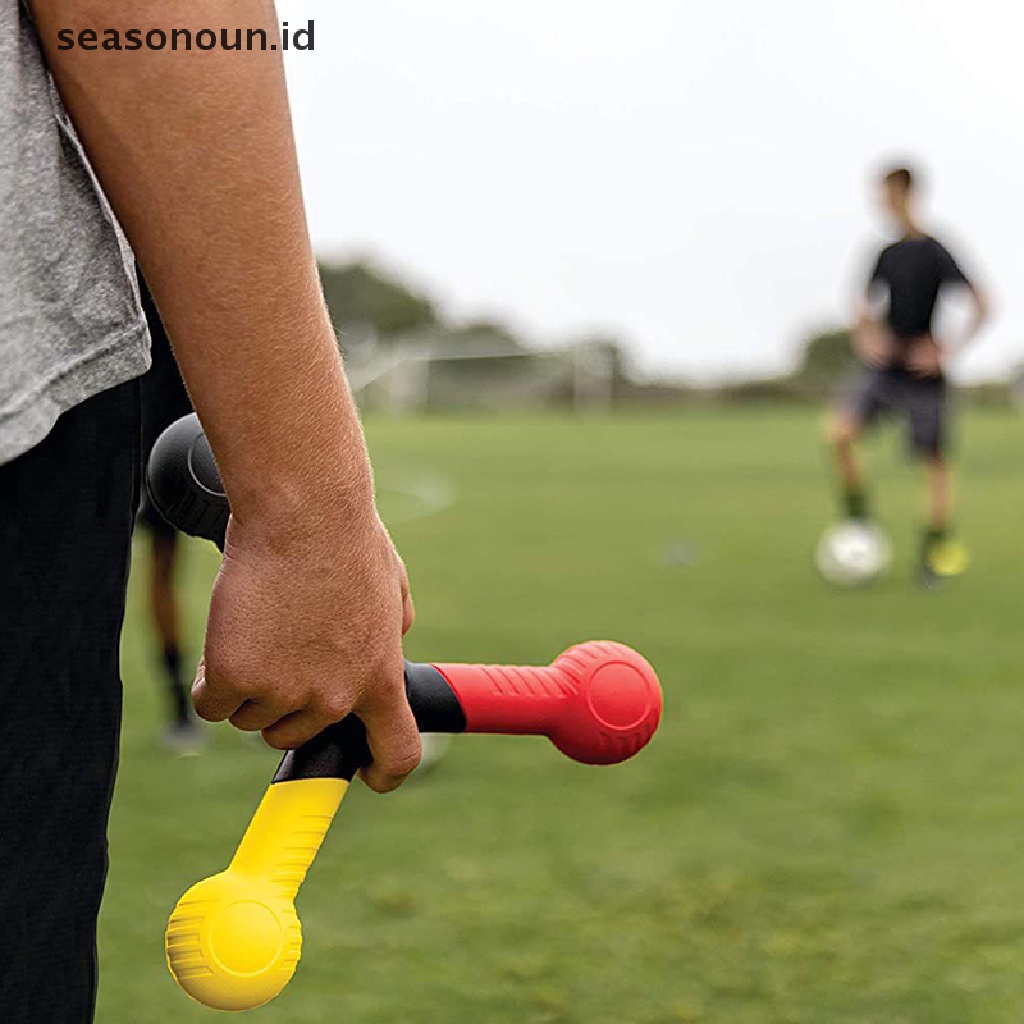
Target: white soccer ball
x: 853, y: 553
x: 435, y: 745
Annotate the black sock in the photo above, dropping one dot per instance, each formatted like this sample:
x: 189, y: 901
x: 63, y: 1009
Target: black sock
x: 930, y: 536
x: 176, y: 685
x: 855, y: 504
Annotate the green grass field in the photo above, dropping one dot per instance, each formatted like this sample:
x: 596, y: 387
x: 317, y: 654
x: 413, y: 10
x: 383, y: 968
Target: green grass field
x: 828, y: 828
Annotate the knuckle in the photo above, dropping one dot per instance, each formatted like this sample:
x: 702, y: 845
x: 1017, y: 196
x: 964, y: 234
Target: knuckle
x: 379, y: 784
x: 333, y: 706
x: 220, y: 681
x: 285, y: 738
x: 402, y: 763
x: 205, y: 712
x: 278, y: 741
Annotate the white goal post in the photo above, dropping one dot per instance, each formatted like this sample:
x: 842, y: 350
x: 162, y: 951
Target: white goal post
x: 432, y: 373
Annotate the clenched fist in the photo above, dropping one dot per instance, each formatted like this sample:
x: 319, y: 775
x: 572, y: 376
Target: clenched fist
x: 305, y: 627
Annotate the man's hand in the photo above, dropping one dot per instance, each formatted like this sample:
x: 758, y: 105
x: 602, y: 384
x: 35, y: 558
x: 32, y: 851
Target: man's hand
x: 873, y: 343
x: 925, y: 357
x: 305, y: 629
x: 196, y: 155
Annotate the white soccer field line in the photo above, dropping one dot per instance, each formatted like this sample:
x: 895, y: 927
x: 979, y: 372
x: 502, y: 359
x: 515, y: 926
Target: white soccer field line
x: 420, y: 496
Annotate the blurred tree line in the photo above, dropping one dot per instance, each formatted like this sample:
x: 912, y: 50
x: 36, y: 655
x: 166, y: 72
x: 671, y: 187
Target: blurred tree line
x: 358, y: 293
x: 827, y: 359
x: 375, y: 313
x: 367, y: 301
x: 362, y: 297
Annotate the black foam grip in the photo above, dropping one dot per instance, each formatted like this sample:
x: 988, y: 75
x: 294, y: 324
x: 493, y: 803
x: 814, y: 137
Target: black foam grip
x: 341, y: 749
x: 336, y: 753
x: 434, y: 704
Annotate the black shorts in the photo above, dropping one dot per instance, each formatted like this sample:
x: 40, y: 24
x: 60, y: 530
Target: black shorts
x: 66, y: 516
x: 923, y: 403
x: 164, y: 400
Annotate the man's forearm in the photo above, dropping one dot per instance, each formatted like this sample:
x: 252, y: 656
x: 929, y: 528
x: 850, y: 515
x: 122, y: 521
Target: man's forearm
x: 980, y: 313
x: 195, y: 152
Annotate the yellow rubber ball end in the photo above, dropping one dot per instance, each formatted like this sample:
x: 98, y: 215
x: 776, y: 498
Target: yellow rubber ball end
x: 232, y: 942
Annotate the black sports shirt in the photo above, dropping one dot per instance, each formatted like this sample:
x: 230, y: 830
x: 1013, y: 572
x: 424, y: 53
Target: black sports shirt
x: 913, y: 272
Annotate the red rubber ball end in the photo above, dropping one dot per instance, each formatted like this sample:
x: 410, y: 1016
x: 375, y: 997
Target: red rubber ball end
x: 618, y: 705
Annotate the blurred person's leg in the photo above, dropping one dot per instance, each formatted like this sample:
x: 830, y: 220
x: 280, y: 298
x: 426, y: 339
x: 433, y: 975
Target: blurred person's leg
x: 940, y: 489
x: 844, y: 432
x: 182, y: 728
x: 66, y: 516
x: 163, y: 606
x: 929, y: 409
x: 163, y: 551
x: 940, y: 555
x: 164, y: 400
x: 858, y: 411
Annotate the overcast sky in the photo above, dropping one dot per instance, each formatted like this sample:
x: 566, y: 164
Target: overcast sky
x: 689, y: 176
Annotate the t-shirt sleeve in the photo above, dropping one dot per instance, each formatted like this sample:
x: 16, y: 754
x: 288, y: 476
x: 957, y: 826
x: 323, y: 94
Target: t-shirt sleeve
x: 878, y: 277
x: 949, y: 270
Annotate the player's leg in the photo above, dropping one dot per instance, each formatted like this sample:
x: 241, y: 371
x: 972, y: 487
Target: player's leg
x: 164, y: 400
x: 940, y: 554
x: 183, y: 732
x: 844, y: 431
x: 940, y: 493
x: 163, y: 548
x: 845, y: 428
x: 66, y: 516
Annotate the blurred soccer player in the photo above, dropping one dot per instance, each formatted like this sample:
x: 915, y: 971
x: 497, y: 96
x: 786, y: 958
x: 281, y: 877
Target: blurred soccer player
x: 904, y: 372
x: 164, y: 399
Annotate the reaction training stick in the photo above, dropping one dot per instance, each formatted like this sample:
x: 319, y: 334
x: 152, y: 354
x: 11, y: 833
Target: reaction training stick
x: 234, y: 940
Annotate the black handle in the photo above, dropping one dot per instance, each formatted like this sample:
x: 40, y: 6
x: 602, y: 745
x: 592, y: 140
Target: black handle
x: 186, y: 489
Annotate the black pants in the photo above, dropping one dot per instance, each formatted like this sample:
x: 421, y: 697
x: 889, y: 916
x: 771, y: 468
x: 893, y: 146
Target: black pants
x: 66, y: 511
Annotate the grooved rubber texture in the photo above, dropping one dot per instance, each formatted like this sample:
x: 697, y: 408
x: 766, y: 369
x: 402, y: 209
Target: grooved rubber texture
x: 599, y: 702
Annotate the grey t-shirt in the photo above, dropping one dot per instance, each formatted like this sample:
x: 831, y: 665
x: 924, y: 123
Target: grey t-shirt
x: 70, y: 320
